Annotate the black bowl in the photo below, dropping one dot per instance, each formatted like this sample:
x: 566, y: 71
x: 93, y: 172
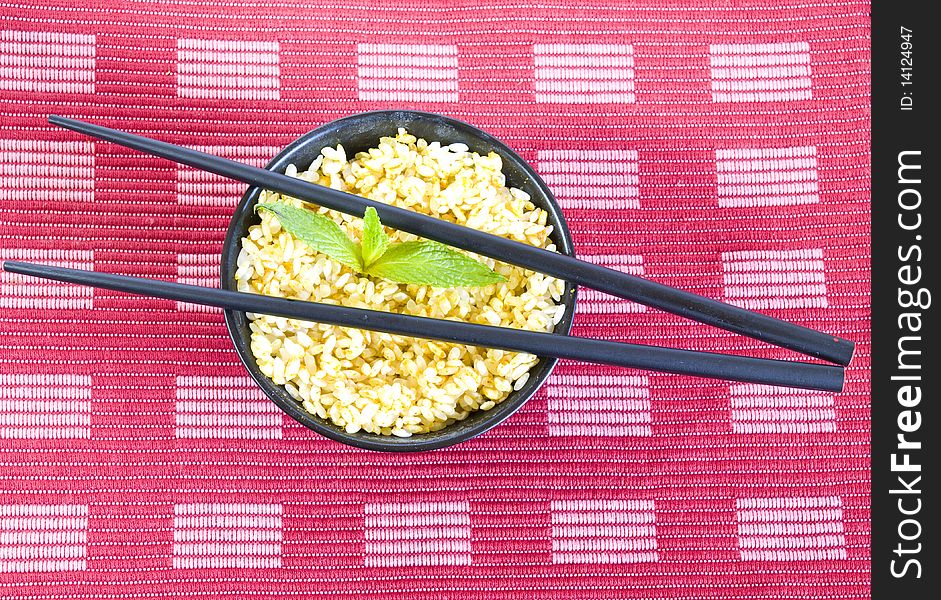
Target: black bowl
x: 361, y: 132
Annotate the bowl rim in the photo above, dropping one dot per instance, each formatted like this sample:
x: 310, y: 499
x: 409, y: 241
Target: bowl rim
x: 370, y: 441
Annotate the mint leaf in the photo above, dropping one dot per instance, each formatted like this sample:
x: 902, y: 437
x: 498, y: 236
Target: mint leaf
x: 423, y: 263
x: 431, y: 263
x: 375, y: 240
x: 319, y: 232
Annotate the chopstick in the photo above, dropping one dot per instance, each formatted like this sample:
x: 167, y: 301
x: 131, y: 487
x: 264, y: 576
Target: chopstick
x: 654, y: 358
x: 679, y: 302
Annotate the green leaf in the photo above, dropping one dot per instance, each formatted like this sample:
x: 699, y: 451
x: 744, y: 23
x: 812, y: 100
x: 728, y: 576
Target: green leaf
x: 423, y: 263
x: 431, y: 263
x: 375, y: 240
x: 319, y: 232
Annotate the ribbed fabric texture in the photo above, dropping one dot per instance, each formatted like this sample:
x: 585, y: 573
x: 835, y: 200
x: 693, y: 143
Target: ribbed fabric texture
x: 722, y: 148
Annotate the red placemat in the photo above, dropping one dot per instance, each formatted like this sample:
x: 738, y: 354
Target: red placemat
x: 720, y: 149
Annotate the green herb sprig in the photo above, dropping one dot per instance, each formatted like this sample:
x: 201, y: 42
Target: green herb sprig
x: 423, y: 262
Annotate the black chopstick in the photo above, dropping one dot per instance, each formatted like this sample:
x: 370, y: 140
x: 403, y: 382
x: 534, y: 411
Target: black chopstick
x: 631, y: 287
x: 654, y: 358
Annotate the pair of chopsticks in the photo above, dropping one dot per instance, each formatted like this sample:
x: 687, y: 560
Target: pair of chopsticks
x: 686, y: 304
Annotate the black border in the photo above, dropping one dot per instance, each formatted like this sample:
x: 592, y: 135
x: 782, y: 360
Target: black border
x: 896, y: 130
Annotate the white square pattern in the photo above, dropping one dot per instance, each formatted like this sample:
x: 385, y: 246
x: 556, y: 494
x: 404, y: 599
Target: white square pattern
x: 785, y: 529
x: 760, y: 72
x: 763, y: 279
x: 17, y: 291
x: 596, y: 405
x: 47, y: 171
x: 228, y: 69
x: 584, y: 73
x: 771, y: 409
x: 603, y: 531
x: 45, y: 406
x: 197, y: 269
x: 592, y: 179
x: 759, y: 177
x: 195, y: 187
x: 408, y: 72
x: 594, y: 302
x: 227, y: 536
x: 47, y: 62
x: 224, y: 407
x: 41, y: 538
x: 418, y: 534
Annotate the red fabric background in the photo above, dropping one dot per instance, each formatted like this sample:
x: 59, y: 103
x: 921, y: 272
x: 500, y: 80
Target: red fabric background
x: 119, y: 476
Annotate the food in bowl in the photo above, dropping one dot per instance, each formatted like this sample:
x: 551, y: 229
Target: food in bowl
x: 381, y: 383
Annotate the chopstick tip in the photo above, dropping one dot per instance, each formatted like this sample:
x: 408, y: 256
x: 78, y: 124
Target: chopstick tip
x: 842, y: 381
x: 852, y: 353
x: 7, y: 266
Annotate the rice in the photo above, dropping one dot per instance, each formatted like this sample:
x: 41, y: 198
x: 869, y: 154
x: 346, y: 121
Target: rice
x: 388, y: 384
